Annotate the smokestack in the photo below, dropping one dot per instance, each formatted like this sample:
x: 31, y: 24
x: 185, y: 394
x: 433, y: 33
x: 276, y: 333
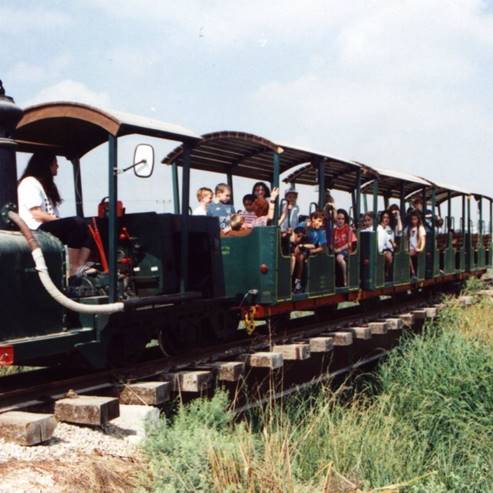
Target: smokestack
x: 10, y: 114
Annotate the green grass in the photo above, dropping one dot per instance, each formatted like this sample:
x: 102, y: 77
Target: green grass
x: 422, y: 423
x: 10, y: 370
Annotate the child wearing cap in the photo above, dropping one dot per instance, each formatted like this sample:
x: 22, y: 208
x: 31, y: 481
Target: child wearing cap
x: 290, y: 213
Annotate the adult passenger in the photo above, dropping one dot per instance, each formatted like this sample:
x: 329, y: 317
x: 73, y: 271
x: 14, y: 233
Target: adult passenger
x: 261, y: 190
x: 264, y: 210
x: 38, y: 206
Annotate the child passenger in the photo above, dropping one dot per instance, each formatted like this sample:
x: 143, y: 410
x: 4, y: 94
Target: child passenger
x: 367, y: 223
x: 343, y: 238
x: 248, y: 213
x: 416, y: 234
x: 221, y: 208
x: 386, y: 241
x: 290, y: 213
x: 204, y: 197
x: 316, y: 236
x: 298, y: 256
x: 315, y: 243
x: 330, y: 213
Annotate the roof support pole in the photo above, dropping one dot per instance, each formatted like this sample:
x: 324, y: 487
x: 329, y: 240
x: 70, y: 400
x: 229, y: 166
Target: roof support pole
x: 79, y: 203
x: 463, y: 217
x: 375, y: 205
x: 230, y: 185
x: 176, y: 187
x: 433, y: 211
x: 490, y: 243
x: 319, y: 163
x: 402, y: 207
x: 480, y: 210
x: 424, y: 207
x: 187, y: 150
x: 365, y: 202
x: 433, y: 229
x: 276, y: 165
x: 402, y: 200
x: 469, y: 215
x: 10, y: 114
x: 449, y: 218
x: 491, y: 222
x: 112, y: 219
x: 449, y: 211
x: 357, y: 210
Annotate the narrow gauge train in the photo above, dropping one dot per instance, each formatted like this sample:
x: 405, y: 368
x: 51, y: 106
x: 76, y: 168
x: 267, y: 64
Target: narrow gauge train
x: 172, y: 277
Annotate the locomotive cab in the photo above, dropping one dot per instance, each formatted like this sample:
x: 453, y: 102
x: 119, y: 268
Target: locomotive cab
x: 164, y: 269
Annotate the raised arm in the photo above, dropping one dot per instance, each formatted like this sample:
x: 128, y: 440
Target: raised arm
x: 272, y: 203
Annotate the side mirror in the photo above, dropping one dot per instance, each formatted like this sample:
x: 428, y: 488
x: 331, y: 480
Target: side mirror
x: 143, y: 160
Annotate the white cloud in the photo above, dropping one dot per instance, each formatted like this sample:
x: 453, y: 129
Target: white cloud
x: 34, y: 73
x: 70, y: 90
x: 408, y: 87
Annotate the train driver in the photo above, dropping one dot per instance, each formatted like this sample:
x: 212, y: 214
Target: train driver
x: 38, y: 206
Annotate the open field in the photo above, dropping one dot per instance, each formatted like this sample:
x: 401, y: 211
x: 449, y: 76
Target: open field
x: 422, y: 423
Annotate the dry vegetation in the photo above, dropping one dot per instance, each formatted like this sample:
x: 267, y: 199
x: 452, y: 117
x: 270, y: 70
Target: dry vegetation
x: 94, y: 473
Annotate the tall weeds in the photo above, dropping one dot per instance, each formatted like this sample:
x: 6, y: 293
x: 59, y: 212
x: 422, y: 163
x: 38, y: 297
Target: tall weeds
x: 424, y: 423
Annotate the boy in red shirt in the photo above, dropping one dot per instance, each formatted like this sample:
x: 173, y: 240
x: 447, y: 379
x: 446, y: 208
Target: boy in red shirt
x: 342, y: 240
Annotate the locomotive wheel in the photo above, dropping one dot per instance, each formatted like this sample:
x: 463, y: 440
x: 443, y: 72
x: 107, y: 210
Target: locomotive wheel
x: 179, y: 335
x: 325, y: 313
x: 170, y: 343
x: 126, y: 348
x: 279, y: 324
x: 222, y: 324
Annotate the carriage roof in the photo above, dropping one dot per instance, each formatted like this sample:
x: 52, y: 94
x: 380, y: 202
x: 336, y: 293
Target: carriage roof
x: 241, y: 154
x: 73, y: 129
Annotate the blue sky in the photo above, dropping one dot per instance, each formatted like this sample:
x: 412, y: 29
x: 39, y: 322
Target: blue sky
x: 402, y: 84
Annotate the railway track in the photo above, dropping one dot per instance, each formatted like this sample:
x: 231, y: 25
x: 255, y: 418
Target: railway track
x: 269, y: 365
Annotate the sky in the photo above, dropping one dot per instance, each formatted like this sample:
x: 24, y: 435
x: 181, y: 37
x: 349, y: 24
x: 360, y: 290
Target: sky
x: 400, y: 84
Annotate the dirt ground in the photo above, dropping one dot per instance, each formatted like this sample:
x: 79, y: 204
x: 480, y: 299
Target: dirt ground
x: 86, y: 473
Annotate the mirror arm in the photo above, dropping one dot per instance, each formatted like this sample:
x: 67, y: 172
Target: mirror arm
x: 124, y: 170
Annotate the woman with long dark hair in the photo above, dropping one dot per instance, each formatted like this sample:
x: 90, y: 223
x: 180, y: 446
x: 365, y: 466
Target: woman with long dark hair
x: 386, y: 242
x: 261, y: 190
x: 38, y: 206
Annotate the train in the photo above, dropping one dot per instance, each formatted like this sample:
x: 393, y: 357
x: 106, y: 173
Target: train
x: 172, y: 277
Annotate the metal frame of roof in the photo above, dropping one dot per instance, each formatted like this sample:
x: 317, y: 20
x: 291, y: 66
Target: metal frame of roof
x: 392, y: 183
x: 441, y: 192
x: 240, y: 154
x: 73, y: 129
x: 339, y: 174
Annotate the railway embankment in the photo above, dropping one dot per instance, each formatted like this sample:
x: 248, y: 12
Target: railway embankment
x: 422, y: 422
